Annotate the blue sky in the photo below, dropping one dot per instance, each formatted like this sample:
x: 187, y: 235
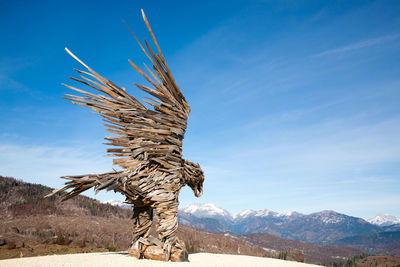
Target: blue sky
x: 295, y: 104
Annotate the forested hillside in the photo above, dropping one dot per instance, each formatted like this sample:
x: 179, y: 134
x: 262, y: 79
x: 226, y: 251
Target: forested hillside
x: 19, y: 199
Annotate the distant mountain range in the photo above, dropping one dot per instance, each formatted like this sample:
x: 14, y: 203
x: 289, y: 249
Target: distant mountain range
x: 207, y: 210
x: 380, y: 234
x: 318, y: 228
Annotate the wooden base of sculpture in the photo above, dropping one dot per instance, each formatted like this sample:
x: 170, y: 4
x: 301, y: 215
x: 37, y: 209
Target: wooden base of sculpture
x: 155, y: 252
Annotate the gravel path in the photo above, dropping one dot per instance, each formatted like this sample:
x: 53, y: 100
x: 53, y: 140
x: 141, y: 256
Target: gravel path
x: 123, y: 259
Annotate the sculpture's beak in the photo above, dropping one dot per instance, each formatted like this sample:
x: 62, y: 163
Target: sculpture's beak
x: 198, y: 190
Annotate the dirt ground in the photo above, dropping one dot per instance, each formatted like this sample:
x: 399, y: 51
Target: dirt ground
x: 123, y: 259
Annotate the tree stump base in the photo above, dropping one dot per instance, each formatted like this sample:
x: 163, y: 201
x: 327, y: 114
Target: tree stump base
x: 155, y: 252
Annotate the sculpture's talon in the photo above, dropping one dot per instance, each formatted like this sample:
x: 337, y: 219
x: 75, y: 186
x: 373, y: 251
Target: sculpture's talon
x: 168, y: 251
x: 134, y: 249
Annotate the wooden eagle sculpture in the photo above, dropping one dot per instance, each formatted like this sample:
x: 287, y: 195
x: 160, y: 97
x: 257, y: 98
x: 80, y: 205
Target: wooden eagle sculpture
x: 148, y: 147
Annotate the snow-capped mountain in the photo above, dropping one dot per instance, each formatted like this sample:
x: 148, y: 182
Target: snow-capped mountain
x: 319, y: 227
x: 244, y: 214
x: 384, y: 220
x: 207, y: 210
x: 264, y: 213
x: 250, y: 213
x: 115, y: 202
x: 329, y: 217
x: 205, y: 216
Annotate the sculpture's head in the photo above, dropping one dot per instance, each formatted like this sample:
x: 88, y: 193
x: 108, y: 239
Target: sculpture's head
x: 194, y: 177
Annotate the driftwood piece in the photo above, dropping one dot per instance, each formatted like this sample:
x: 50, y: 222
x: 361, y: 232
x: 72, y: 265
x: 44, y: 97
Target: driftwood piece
x: 156, y: 252
x: 148, y: 145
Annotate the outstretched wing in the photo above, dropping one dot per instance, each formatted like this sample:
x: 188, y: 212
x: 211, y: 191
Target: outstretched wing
x: 142, y: 134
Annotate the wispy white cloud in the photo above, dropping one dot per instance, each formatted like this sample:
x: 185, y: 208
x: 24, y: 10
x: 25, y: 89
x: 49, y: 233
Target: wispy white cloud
x: 45, y: 164
x: 330, y: 146
x: 359, y: 45
x: 289, y: 169
x: 10, y: 65
x: 7, y: 83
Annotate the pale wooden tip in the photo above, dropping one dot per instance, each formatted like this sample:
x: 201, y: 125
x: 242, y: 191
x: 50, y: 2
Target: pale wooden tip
x: 77, y: 59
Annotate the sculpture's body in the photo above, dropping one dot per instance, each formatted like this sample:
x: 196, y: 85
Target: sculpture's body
x: 149, y: 145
